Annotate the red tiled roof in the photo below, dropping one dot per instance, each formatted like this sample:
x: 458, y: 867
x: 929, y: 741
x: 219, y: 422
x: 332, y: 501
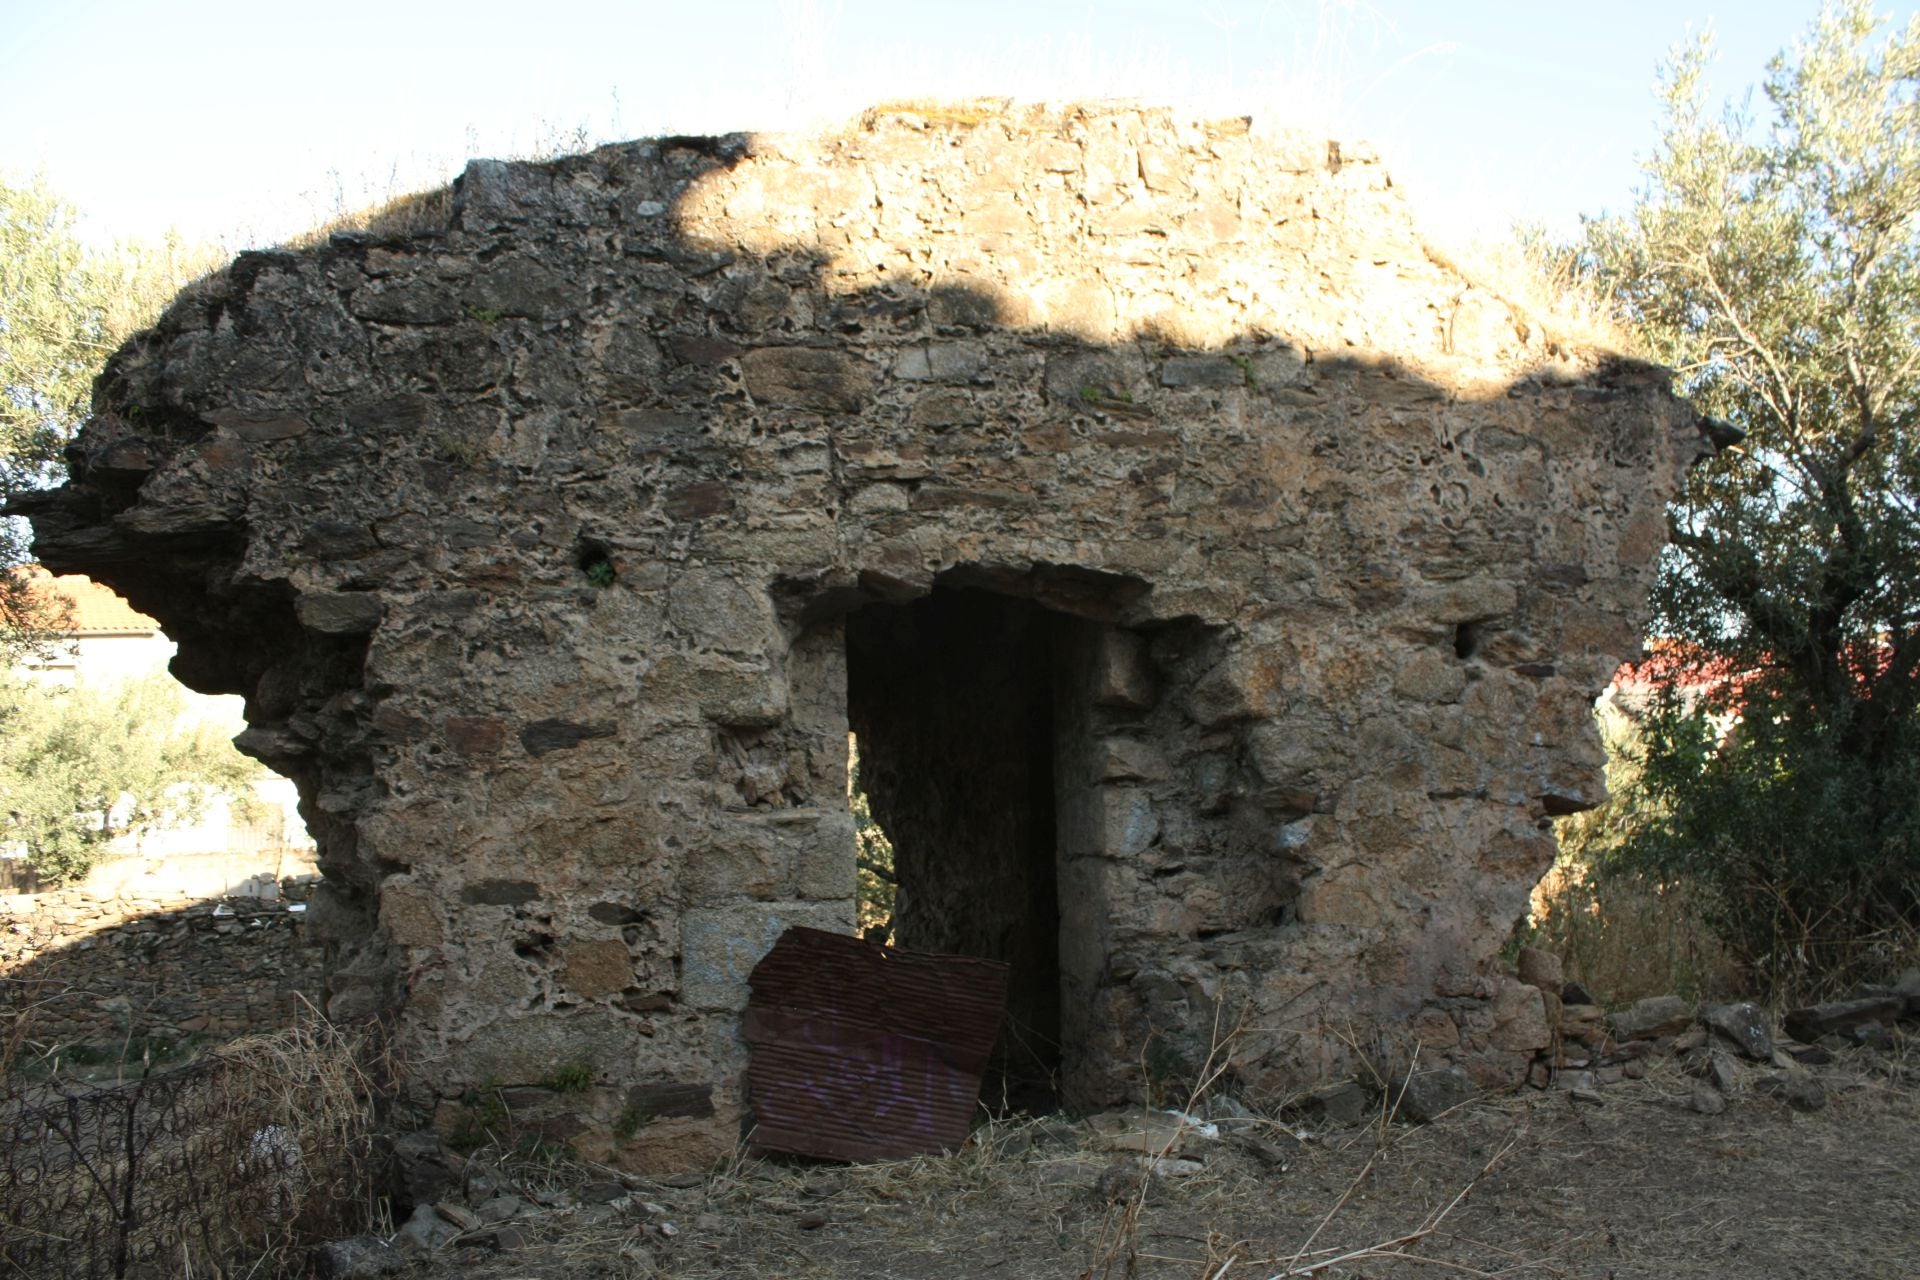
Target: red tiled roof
x: 96, y: 609
x: 1695, y: 672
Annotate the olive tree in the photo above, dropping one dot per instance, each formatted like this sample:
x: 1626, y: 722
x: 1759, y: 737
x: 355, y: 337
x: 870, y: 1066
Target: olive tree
x: 1773, y: 261
x: 63, y: 308
x: 83, y: 766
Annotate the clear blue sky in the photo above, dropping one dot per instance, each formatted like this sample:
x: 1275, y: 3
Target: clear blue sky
x: 256, y: 119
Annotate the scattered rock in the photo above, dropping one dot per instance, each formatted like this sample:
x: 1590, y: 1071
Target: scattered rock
x: 1276, y: 1155
x: 355, y: 1258
x: 1123, y: 1178
x: 1810, y: 1055
x: 424, y: 1232
x: 1797, y: 1089
x: 1542, y: 969
x: 1706, y: 1099
x: 458, y: 1214
x: 1148, y: 1132
x: 1745, y: 1025
x: 1118, y: 1180
x: 1908, y: 985
x: 1872, y: 1035
x: 1576, y: 993
x: 1055, y: 1131
x: 1520, y: 1018
x: 502, y: 1239
x: 1345, y: 1103
x: 1711, y: 1065
x: 1842, y: 1016
x: 427, y: 1169
x: 1227, y: 1108
x: 1653, y: 1016
x: 601, y: 1192
x: 1425, y: 1095
x: 1068, y: 1173
x: 500, y: 1208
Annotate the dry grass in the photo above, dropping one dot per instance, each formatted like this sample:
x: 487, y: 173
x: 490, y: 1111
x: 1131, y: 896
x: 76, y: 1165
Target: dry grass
x: 229, y: 1166
x: 1545, y: 288
x: 1530, y: 1186
x: 964, y: 112
x: 399, y: 216
x: 1625, y: 937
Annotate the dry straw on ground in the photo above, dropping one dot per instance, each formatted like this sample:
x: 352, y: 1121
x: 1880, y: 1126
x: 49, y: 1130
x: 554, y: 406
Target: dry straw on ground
x: 1533, y: 1186
x: 230, y: 1165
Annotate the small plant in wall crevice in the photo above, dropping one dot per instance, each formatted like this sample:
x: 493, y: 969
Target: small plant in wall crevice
x: 595, y: 562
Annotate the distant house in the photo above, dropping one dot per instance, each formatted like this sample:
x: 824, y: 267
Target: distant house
x: 226, y: 851
x: 109, y: 641
x: 1677, y: 667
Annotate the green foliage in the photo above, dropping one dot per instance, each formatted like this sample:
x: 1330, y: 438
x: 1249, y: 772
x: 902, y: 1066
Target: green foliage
x: 1167, y: 1071
x: 63, y: 309
x: 632, y: 1119
x: 1589, y: 839
x: 80, y: 766
x: 1777, y: 270
x: 480, y: 1120
x: 873, y: 857
x: 1624, y: 930
x: 52, y: 332
x: 575, y: 1077
x: 1805, y: 848
x: 1094, y: 394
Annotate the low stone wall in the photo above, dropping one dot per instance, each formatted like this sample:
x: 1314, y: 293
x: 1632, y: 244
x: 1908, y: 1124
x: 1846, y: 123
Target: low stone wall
x: 163, y: 968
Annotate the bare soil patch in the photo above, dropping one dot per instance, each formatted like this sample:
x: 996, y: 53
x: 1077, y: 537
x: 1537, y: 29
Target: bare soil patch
x: 1635, y: 1185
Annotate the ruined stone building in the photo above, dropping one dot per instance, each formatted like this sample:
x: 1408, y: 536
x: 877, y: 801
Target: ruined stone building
x: 1217, y: 581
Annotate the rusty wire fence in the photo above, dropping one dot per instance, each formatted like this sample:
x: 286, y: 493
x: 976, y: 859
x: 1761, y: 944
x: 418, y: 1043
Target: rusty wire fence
x: 225, y: 1167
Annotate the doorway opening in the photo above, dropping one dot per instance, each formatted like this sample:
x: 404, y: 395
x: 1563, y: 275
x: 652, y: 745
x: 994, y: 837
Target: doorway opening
x: 951, y: 700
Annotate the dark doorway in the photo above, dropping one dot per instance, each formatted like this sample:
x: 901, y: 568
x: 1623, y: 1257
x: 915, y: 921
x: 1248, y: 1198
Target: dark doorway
x: 951, y: 699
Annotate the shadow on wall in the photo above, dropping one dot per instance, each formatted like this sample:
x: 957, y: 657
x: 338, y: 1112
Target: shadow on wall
x: 90, y: 987
x: 582, y: 472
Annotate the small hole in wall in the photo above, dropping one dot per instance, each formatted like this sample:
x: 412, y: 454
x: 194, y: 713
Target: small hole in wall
x: 595, y: 560
x: 1466, y: 640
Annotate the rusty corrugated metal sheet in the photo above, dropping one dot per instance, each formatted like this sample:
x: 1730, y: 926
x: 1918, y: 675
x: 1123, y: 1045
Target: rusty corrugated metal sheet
x: 863, y: 1052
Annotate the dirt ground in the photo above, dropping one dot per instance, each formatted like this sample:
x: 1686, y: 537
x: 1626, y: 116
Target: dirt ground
x: 1636, y: 1184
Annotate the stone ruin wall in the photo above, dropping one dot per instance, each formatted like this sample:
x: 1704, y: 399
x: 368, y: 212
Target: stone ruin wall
x: 1292, y: 561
